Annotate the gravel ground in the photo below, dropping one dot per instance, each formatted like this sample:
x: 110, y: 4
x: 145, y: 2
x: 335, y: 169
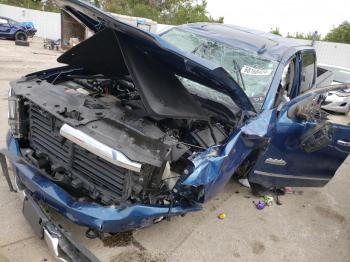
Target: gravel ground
x: 311, y: 225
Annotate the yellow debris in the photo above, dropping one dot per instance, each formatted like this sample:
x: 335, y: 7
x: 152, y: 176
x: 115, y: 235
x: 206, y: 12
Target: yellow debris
x: 222, y: 216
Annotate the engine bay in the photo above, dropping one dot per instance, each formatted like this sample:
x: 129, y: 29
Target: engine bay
x: 110, y: 112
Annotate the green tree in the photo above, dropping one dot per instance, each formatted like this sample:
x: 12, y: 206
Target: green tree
x: 47, y: 5
x: 340, y: 34
x: 163, y: 11
x: 276, y: 31
x: 309, y: 36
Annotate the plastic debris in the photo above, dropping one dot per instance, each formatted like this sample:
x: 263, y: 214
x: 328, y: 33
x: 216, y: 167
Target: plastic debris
x: 268, y: 200
x: 288, y: 190
x: 222, y: 216
x: 260, y: 205
x: 244, y: 182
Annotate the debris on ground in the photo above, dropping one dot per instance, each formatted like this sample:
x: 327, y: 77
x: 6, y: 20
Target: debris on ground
x: 244, y: 182
x: 122, y: 239
x: 137, y: 256
x: 222, y: 216
x: 288, y: 190
x: 260, y: 205
x: 268, y: 200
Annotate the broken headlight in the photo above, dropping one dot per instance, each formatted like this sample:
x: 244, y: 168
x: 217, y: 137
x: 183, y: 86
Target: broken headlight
x: 15, y: 114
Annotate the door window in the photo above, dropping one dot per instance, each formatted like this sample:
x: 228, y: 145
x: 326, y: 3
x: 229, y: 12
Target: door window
x: 286, y: 86
x: 307, y: 71
x: 3, y: 21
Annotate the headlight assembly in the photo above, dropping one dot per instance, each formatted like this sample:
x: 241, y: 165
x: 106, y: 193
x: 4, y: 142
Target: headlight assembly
x: 14, y: 114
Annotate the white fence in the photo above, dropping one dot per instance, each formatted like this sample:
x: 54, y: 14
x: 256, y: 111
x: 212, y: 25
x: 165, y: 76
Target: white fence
x: 48, y: 24
x: 333, y: 54
x: 329, y: 53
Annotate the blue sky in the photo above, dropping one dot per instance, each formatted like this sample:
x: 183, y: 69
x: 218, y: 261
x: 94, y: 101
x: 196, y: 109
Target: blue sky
x: 289, y: 15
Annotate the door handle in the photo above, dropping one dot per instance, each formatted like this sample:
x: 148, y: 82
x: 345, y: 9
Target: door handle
x: 343, y: 143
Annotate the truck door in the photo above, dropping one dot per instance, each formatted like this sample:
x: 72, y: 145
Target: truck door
x: 5, y: 27
x: 305, y: 149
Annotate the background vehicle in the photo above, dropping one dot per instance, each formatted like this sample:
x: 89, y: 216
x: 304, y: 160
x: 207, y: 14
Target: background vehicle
x: 338, y: 101
x: 11, y: 29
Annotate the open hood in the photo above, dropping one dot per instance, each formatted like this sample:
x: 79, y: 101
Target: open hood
x: 118, y: 48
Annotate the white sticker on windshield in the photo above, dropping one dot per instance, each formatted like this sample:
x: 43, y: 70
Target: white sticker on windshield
x: 248, y: 70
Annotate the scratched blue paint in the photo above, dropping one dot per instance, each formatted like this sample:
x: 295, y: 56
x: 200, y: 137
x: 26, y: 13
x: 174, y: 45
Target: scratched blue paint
x: 92, y: 215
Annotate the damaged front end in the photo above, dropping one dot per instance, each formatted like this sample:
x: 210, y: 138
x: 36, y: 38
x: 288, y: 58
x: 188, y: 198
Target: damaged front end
x: 129, y: 133
x: 105, y: 165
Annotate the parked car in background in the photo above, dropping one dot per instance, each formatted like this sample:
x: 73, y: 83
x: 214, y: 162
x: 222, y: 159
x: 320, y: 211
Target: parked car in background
x: 144, y: 127
x: 341, y: 75
x: 338, y: 101
x: 10, y: 29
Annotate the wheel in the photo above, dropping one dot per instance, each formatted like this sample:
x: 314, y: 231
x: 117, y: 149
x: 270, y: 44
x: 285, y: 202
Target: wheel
x: 22, y: 43
x: 21, y: 36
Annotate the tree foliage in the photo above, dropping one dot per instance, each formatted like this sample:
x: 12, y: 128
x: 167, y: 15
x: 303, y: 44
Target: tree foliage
x: 47, y: 5
x: 163, y: 11
x: 276, y: 31
x: 309, y: 36
x: 340, y: 34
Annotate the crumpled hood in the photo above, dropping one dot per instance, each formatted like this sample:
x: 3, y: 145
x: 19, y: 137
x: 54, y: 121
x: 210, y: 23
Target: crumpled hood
x: 27, y: 25
x: 171, y: 58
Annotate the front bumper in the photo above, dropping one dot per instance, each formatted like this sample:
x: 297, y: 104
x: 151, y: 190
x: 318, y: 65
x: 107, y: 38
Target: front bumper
x: 92, y: 215
x: 31, y: 32
x: 63, y: 247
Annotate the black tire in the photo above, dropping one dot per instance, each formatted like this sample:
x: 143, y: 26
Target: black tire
x: 21, y: 36
x: 22, y: 43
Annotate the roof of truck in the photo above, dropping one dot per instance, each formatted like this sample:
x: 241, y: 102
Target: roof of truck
x: 253, y: 40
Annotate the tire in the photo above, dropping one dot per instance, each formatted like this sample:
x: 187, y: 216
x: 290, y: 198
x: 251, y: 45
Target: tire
x: 21, y: 36
x: 22, y: 43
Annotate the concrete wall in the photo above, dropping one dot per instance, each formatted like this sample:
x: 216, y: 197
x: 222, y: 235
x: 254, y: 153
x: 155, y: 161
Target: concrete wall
x: 143, y: 23
x: 333, y: 54
x: 48, y: 24
x: 329, y: 53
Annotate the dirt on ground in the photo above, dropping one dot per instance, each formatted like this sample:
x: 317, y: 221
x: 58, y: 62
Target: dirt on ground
x: 312, y: 225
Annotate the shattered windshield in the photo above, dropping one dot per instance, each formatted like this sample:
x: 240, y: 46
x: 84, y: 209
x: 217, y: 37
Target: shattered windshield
x: 252, y: 72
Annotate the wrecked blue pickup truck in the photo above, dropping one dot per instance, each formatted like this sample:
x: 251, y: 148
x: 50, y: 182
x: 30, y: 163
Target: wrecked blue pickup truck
x: 139, y: 127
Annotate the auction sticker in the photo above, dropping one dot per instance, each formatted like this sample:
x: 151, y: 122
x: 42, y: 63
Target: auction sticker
x: 248, y: 70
